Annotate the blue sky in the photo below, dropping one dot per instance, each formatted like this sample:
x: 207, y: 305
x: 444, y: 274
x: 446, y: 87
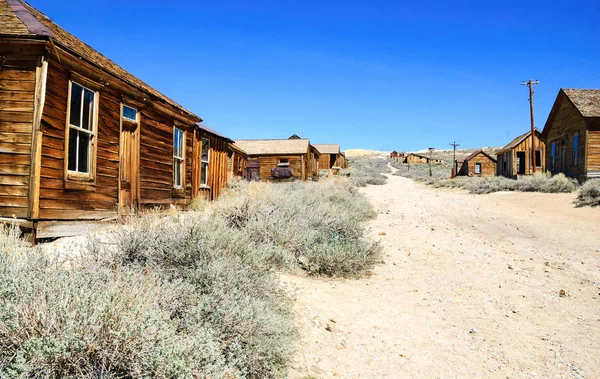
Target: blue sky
x: 365, y: 74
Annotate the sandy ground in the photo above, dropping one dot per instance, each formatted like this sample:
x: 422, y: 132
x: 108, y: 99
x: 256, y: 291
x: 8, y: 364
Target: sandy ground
x: 469, y: 287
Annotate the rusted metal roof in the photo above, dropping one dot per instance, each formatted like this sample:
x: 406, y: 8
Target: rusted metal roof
x: 328, y: 148
x: 274, y: 146
x: 587, y: 101
x: 21, y: 19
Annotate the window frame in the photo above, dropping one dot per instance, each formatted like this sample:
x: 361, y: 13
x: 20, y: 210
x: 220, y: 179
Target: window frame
x: 204, y: 162
x: 478, y: 165
x: 538, y: 162
x: 127, y: 119
x: 553, y: 155
x: 90, y: 175
x: 181, y: 159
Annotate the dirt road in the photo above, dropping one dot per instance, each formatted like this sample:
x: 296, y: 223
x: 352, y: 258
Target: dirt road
x: 469, y: 287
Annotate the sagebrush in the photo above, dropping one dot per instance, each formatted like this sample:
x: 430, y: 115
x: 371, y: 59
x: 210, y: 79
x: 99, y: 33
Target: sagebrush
x: 589, y: 194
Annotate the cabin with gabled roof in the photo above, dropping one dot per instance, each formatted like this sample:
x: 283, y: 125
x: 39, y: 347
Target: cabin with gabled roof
x: 515, y: 158
x: 279, y: 159
x: 572, y: 134
x: 83, y: 140
x: 420, y: 159
x: 478, y: 163
x: 330, y: 156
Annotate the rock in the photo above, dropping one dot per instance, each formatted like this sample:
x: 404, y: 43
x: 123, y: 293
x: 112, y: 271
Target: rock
x: 562, y: 293
x: 382, y: 234
x: 510, y: 267
x: 473, y: 331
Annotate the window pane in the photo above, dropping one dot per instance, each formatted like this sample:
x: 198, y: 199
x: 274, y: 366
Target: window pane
x: 177, y: 172
x: 72, y: 149
x: 204, y: 173
x: 129, y: 113
x: 75, y: 116
x: 84, y: 150
x: 88, y: 109
x: 205, y: 149
x: 178, y: 143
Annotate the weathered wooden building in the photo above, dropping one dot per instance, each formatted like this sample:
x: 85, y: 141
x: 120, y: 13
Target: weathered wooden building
x: 236, y: 165
x: 330, y: 156
x: 572, y: 134
x: 280, y: 159
x: 418, y: 158
x: 83, y: 139
x: 210, y: 162
x: 478, y: 163
x: 516, y: 158
x: 343, y: 160
x: 394, y: 155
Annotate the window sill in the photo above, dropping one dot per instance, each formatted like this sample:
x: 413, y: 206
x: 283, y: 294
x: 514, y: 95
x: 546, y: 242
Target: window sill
x: 204, y: 187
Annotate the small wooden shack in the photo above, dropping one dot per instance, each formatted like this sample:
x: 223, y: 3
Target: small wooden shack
x: 330, y: 156
x: 343, y: 160
x: 81, y: 139
x: 516, y: 159
x: 279, y: 159
x: 418, y: 158
x: 478, y: 163
x: 236, y: 165
x: 394, y: 155
x: 314, y: 158
x: 572, y: 134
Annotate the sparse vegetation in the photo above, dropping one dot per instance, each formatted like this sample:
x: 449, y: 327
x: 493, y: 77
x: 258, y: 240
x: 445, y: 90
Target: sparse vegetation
x: 192, y: 294
x: 540, y: 182
x: 589, y: 194
x: 368, y: 170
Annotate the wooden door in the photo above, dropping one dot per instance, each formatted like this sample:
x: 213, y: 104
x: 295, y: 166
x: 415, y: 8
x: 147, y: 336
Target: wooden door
x: 129, y: 157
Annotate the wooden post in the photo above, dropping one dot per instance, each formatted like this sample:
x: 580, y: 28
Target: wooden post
x: 41, y: 73
x: 530, y: 84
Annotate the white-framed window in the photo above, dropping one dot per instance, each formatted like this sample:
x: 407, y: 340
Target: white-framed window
x: 130, y: 114
x: 204, y: 161
x: 178, y: 157
x: 576, y: 149
x: 81, y: 128
x: 478, y: 168
x: 283, y: 162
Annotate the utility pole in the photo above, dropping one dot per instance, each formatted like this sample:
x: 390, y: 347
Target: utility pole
x: 530, y: 84
x: 454, y: 145
x: 430, y: 157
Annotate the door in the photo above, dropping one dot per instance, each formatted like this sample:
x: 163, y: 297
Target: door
x: 129, y: 157
x: 521, y: 163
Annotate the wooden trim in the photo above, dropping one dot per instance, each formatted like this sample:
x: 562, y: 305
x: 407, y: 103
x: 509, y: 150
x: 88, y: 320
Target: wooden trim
x: 177, y: 188
x: 41, y: 74
x: 86, y: 82
x: 89, y: 177
x: 587, y: 152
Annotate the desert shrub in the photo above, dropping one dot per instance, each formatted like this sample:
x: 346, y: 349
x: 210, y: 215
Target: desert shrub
x: 311, y: 225
x: 421, y: 171
x: 145, y: 302
x: 544, y: 182
x: 233, y: 293
x: 368, y: 170
x: 589, y: 194
x: 75, y: 320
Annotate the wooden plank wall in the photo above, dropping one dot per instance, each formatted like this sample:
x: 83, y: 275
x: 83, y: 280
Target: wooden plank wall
x: 269, y: 162
x: 218, y: 174
x: 525, y: 146
x: 17, y: 90
x: 324, y: 161
x: 567, y: 122
x: 593, y: 153
x: 488, y: 166
x: 56, y: 201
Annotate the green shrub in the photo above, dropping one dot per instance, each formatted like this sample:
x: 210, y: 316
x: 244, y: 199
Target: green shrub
x: 589, y: 194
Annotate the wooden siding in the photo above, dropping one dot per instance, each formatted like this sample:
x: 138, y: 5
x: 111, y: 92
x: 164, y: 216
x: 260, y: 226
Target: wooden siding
x: 217, y: 167
x: 269, y: 162
x: 567, y: 123
x: 17, y: 92
x: 593, y: 152
x: 488, y: 166
x: 510, y: 157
